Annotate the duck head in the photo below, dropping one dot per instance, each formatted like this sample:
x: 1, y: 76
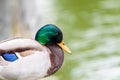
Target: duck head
x: 49, y: 35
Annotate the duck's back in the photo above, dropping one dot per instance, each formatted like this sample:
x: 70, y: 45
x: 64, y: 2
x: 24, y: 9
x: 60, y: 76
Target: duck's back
x: 33, y: 59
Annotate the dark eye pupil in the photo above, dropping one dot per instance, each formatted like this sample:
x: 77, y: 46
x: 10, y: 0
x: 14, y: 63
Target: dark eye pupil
x: 9, y: 56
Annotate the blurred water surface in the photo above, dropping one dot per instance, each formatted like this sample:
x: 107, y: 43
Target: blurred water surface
x: 92, y: 31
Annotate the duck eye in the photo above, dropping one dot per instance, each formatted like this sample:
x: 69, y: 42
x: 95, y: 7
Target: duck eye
x: 9, y: 56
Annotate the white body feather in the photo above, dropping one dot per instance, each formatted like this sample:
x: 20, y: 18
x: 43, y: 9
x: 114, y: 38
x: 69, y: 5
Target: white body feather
x: 29, y: 67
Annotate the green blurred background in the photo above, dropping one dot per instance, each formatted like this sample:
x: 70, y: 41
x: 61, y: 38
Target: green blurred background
x: 91, y: 29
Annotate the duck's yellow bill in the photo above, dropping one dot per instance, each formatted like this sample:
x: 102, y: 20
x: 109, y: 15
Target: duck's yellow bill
x: 64, y: 47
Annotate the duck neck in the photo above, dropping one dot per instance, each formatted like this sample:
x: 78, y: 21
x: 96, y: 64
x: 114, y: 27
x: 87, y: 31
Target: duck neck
x: 56, y: 58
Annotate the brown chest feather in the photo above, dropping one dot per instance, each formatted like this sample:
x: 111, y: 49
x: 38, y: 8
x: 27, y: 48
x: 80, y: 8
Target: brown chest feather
x: 56, y: 58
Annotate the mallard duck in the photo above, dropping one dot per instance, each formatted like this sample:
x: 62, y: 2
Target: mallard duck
x: 29, y: 59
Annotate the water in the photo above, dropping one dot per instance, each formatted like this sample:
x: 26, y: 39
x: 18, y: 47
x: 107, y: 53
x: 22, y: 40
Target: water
x: 92, y: 31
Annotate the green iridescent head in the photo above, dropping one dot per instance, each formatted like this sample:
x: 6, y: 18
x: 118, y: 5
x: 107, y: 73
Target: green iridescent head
x: 49, y: 34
